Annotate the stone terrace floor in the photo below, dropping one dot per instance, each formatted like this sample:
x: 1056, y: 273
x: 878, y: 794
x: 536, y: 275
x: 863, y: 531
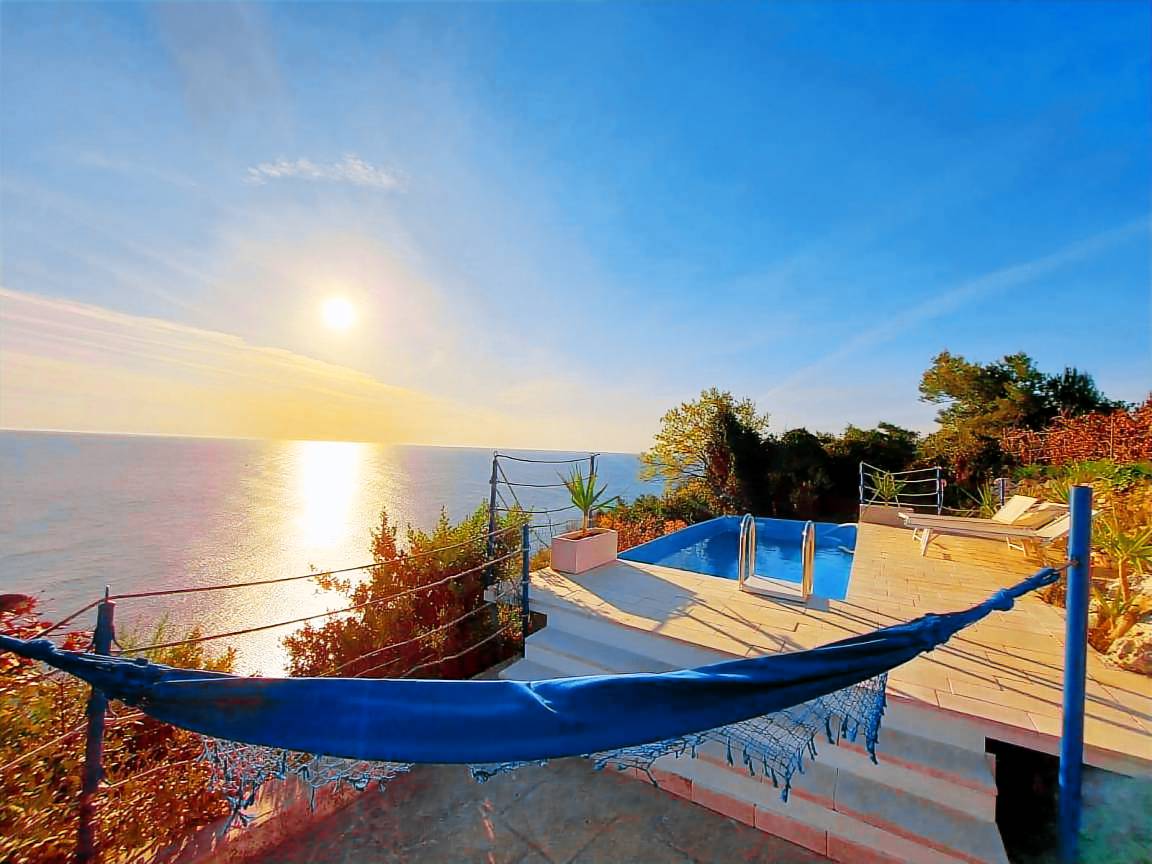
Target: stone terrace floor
x: 561, y: 813
x: 1003, y: 674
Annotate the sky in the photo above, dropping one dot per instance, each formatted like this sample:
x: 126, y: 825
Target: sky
x: 553, y: 221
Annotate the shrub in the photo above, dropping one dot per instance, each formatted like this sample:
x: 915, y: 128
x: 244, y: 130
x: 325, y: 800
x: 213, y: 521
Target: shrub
x: 155, y: 792
x: 634, y: 530
x: 1124, y: 435
x: 1121, y: 541
x: 690, y: 504
x: 432, y: 632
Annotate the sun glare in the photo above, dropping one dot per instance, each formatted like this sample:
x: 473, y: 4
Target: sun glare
x: 339, y: 314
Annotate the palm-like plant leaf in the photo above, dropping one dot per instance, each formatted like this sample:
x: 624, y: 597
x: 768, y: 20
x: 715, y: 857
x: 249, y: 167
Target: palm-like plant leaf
x: 585, y: 496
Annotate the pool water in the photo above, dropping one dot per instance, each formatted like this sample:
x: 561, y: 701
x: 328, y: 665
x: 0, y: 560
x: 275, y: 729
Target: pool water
x: 711, y: 548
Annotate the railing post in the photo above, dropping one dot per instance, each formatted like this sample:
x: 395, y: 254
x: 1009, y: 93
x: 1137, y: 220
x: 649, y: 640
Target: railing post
x: 1079, y: 578
x: 861, y: 483
x: 86, y: 851
x: 1002, y: 489
x: 939, y: 493
x: 489, y: 581
x: 525, y: 578
x: 592, y: 480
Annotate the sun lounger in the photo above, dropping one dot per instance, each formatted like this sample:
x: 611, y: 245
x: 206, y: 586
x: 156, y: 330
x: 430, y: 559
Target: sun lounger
x: 930, y: 527
x: 1014, y: 508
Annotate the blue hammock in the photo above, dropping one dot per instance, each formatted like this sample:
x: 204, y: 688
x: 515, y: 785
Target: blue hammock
x: 487, y: 722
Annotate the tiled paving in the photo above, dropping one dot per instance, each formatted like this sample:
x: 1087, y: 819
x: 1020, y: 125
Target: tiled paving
x: 1003, y: 674
x: 562, y: 813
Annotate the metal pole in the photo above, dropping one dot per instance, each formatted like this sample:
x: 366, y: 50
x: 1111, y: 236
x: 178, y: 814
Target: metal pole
x: 592, y: 482
x: 86, y: 851
x: 861, y: 484
x: 939, y: 493
x: 1002, y: 489
x: 525, y: 579
x: 491, y: 545
x: 1075, y: 668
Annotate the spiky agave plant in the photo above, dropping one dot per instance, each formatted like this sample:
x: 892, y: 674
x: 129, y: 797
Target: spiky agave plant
x: 985, y: 502
x: 586, y: 497
x: 1130, y: 549
x: 887, y: 487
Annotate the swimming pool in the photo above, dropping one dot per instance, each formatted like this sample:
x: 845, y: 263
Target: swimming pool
x: 711, y: 548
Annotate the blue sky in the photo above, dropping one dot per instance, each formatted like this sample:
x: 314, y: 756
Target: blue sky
x: 557, y: 220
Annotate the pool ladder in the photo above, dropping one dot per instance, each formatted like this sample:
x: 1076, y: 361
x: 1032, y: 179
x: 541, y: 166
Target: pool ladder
x: 807, y: 558
x: 746, y: 553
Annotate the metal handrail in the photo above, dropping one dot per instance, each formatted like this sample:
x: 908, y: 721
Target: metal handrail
x: 935, y: 476
x: 929, y: 470
x: 808, y: 558
x: 746, y: 551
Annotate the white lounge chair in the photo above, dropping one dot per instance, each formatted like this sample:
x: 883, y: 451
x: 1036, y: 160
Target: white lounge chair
x: 929, y: 528
x: 1012, y: 510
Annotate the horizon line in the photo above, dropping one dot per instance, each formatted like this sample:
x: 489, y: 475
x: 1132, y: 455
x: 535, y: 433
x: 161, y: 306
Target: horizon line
x: 200, y: 437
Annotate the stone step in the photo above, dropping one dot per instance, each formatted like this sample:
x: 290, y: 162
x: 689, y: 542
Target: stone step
x: 957, y: 778
x: 817, y: 789
x: 570, y: 618
x: 545, y: 653
x: 930, y: 800
x: 528, y: 670
x: 917, y: 779
x: 599, y: 656
x: 917, y: 718
x: 835, y: 808
x: 577, y: 621
x: 900, y: 715
x: 972, y: 769
x: 838, y: 814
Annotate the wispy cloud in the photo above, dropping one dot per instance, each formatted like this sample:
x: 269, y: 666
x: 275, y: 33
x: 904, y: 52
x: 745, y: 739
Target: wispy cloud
x: 70, y: 365
x: 131, y: 168
x: 351, y: 169
x: 956, y: 296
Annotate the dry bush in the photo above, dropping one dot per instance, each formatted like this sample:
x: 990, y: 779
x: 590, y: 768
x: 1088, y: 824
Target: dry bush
x: 1121, y: 436
x: 155, y: 791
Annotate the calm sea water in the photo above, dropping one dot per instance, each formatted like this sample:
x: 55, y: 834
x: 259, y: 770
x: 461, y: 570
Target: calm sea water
x: 140, y: 513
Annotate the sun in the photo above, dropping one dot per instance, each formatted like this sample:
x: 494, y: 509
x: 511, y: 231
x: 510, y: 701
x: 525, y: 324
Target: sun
x: 338, y: 313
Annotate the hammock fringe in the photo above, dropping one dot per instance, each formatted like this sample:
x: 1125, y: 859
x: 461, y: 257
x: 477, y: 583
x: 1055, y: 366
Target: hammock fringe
x: 777, y: 744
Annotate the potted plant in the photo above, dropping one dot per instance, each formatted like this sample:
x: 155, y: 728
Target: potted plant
x: 588, y: 547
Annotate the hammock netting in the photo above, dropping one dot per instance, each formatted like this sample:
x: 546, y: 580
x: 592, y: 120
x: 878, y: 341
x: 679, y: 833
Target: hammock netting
x: 765, y: 711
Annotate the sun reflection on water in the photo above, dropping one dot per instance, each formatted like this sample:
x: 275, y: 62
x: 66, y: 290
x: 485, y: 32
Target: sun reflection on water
x: 328, y: 478
x: 319, y: 499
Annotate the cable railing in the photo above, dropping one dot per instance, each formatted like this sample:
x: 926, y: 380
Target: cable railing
x: 417, y: 652
x: 505, y: 499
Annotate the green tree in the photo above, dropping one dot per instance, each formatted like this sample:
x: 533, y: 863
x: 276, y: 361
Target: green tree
x: 691, y: 450
x: 980, y: 401
x: 747, y: 486
x: 888, y: 447
x: 800, y: 474
x: 1073, y: 392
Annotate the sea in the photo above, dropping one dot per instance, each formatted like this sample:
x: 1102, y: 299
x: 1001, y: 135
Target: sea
x: 139, y: 513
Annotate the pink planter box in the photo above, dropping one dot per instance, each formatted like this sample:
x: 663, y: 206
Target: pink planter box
x: 570, y: 555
